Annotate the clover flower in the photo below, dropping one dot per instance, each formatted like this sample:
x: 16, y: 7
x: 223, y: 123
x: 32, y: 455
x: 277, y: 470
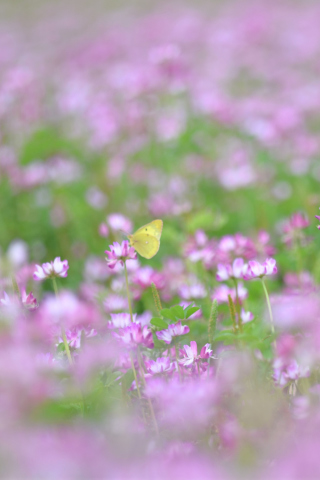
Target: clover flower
x: 161, y: 365
x: 57, y: 268
x: 120, y: 253
x: 173, y: 330
x: 135, y: 335
x: 225, y: 272
x: 191, y: 356
x: 255, y: 269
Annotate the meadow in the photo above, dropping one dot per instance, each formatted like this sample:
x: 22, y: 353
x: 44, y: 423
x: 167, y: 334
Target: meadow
x: 190, y: 349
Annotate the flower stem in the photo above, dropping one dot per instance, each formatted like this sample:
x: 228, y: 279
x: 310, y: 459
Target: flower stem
x: 238, y: 305
x: 128, y: 292
x: 63, y: 333
x: 155, y: 423
x: 269, y: 305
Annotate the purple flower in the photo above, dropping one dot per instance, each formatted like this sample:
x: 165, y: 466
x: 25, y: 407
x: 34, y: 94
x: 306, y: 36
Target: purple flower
x: 318, y: 218
x: 120, y: 320
x: 57, y: 268
x: 246, y: 316
x: 161, y: 365
x: 174, y: 330
x: 120, y: 253
x: 135, y: 335
x: 117, y: 221
x: 255, y: 269
x: 191, y: 353
x: 28, y: 301
x: 225, y: 272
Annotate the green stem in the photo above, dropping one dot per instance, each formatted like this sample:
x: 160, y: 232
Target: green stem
x: 128, y: 292
x: 269, y: 305
x: 238, y: 305
x: 63, y: 332
x: 155, y: 423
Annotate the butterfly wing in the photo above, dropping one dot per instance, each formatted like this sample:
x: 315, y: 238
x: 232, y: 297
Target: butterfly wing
x: 146, y: 240
x: 145, y: 244
x: 153, y: 228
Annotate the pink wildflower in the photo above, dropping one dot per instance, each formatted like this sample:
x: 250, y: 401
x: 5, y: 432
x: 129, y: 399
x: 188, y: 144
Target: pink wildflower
x: 173, y: 330
x: 225, y: 272
x: 28, y: 301
x: 135, y: 335
x: 191, y: 353
x: 117, y: 222
x: 246, y: 316
x: 120, y: 253
x: 161, y: 365
x: 57, y: 268
x: 255, y: 269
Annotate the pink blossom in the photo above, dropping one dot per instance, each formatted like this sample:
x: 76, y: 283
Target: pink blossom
x: 191, y: 353
x: 195, y: 290
x: 161, y: 365
x: 246, y: 316
x: 103, y: 230
x: 57, y: 268
x: 173, y: 330
x: 117, y: 221
x: 221, y: 293
x: 74, y: 336
x: 135, y: 335
x: 28, y: 301
x: 120, y: 320
x: 255, y: 269
x: 120, y: 253
x: 225, y: 272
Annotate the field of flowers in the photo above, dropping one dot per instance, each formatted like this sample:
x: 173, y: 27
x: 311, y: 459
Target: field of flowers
x: 203, y: 361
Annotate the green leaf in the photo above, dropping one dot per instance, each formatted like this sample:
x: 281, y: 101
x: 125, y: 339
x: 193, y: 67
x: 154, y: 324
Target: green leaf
x: 225, y: 337
x: 178, y: 312
x: 190, y: 311
x: 167, y: 313
x: 159, y: 323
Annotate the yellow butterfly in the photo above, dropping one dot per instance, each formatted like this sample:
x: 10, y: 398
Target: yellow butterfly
x: 146, y: 240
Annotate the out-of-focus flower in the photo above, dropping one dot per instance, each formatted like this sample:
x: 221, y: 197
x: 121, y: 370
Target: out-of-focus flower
x: 57, y: 268
x: 74, y: 336
x: 293, y: 228
x: 117, y: 221
x: 120, y: 320
x: 188, y: 292
x: 255, y: 269
x: 225, y: 272
x: 135, y: 335
x: 103, y: 230
x: 318, y: 218
x: 161, y: 365
x: 222, y: 292
x: 28, y: 301
x: 283, y: 373
x: 191, y: 353
x: 120, y: 253
x: 246, y: 316
x: 173, y: 330
x: 17, y: 253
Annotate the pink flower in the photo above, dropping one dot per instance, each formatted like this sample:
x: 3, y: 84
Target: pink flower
x: 135, y: 335
x: 103, y: 230
x: 318, y: 218
x: 173, y: 330
x: 74, y: 336
x: 293, y: 228
x: 120, y: 253
x: 57, y: 268
x: 246, y: 316
x: 28, y: 301
x: 221, y: 293
x: 196, y: 290
x: 120, y: 320
x: 117, y: 221
x: 161, y: 365
x: 225, y: 272
x: 191, y: 353
x: 255, y: 269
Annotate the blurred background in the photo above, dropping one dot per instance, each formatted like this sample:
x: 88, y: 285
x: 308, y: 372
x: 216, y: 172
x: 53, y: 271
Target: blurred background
x: 203, y: 114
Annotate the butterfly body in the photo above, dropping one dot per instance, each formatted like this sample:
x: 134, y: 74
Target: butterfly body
x: 146, y: 240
